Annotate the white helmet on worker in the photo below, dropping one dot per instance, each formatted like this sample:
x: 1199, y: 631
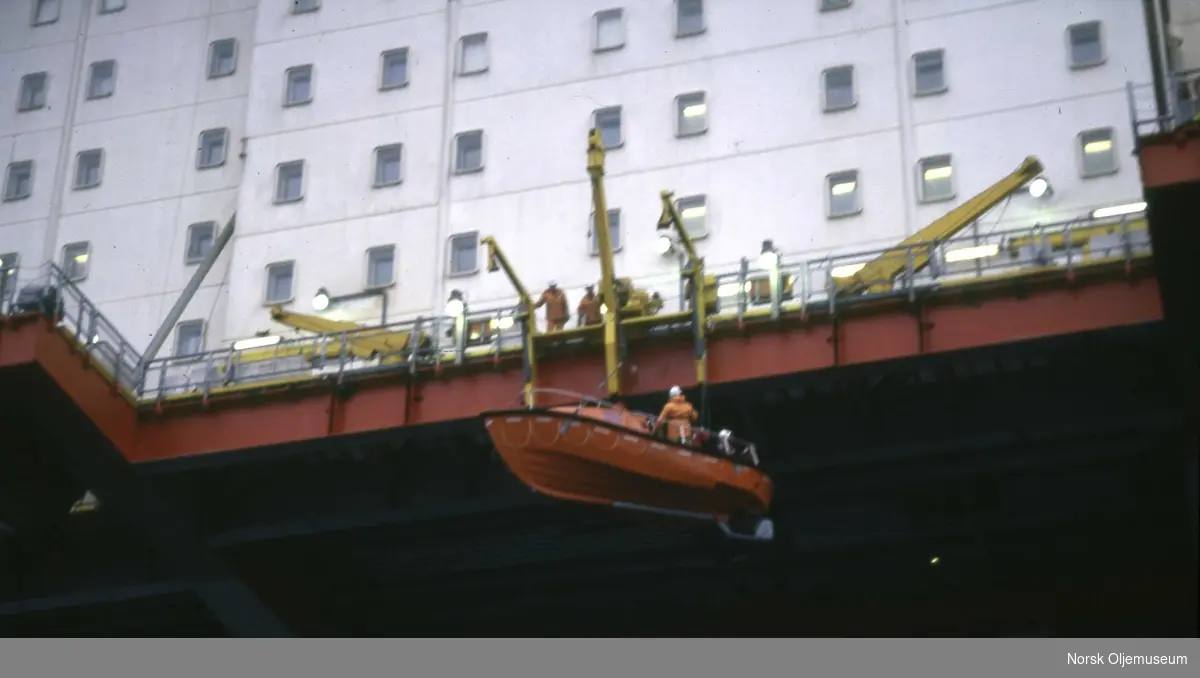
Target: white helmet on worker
x: 552, y: 283
x: 676, y: 391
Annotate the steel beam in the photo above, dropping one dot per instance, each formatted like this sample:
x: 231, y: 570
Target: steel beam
x: 97, y: 464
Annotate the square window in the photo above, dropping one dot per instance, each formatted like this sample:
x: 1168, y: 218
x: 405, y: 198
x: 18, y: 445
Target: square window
x: 18, y: 181
x: 89, y: 168
x: 395, y: 69
x: 9, y: 263
x: 468, y: 152
x: 302, y: 6
x: 279, y: 282
x: 610, y: 30
x: 212, y: 148
x: 1086, y: 44
x: 289, y: 181
x: 189, y: 338
x: 693, y: 212
x: 110, y: 6
x: 838, y: 87
x: 102, y: 79
x: 829, y: 5
x: 464, y: 250
x: 843, y: 193
x: 691, y: 114
x: 689, y: 18
x: 388, y: 167
x: 936, y: 182
x: 472, y: 54
x: 929, y: 72
x: 33, y: 92
x: 1099, y: 157
x: 45, y: 12
x: 222, y: 58
x: 608, y: 121
x: 614, y: 232
x: 299, y: 86
x: 75, y: 261
x: 381, y: 266
x: 199, y: 241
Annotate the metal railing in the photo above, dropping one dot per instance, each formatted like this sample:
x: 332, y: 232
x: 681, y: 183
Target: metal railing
x: 48, y: 291
x: 808, y: 282
x: 1182, y: 104
x: 703, y: 440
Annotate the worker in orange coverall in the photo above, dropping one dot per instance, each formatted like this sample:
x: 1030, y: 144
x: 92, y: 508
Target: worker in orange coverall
x: 556, y: 307
x: 677, y: 416
x: 589, y: 308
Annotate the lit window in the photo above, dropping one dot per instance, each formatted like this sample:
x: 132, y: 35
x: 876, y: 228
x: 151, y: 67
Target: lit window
x: 89, y: 168
x: 691, y: 114
x: 929, y: 72
x: 936, y: 182
x: 843, y: 194
x: 614, y: 231
x: 610, y: 30
x: 381, y: 266
x: 472, y: 54
x: 302, y: 6
x: 838, y: 88
x: 388, y: 165
x: 33, y: 92
x: 289, y: 184
x: 829, y: 5
x: 110, y: 6
x: 75, y: 261
x: 222, y: 58
x: 608, y: 121
x: 199, y: 241
x: 468, y: 152
x: 189, y: 338
x: 1086, y: 44
x: 10, y: 262
x: 18, y: 181
x: 299, y: 86
x: 395, y: 69
x: 1098, y: 155
x: 279, y: 282
x: 689, y: 18
x: 102, y: 79
x: 212, y: 148
x: 464, y: 250
x: 45, y: 12
x: 693, y: 212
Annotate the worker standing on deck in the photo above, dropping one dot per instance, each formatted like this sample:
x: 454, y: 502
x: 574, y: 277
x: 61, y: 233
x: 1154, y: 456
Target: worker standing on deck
x: 589, y: 308
x: 677, y: 416
x: 555, y: 302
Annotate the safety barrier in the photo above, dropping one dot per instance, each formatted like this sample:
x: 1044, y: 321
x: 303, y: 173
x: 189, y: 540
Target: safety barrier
x: 480, y: 336
x: 1181, y: 104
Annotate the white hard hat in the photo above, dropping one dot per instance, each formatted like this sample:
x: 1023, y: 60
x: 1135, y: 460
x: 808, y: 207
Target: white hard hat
x: 553, y: 283
x: 675, y: 390
x: 725, y: 433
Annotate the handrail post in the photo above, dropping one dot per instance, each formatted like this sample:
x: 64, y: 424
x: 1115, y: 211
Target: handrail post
x: 742, y: 296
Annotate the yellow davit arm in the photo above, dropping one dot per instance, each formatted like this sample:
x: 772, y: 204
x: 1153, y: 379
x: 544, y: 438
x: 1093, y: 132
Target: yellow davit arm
x: 670, y: 219
x: 497, y: 261
x: 877, y: 275
x: 595, y: 166
x: 363, y: 343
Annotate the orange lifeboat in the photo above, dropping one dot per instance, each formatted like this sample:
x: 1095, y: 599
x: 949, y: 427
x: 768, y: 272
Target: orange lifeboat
x: 598, y: 452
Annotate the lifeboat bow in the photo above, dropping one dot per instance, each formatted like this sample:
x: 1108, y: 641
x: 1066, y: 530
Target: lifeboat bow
x: 598, y: 452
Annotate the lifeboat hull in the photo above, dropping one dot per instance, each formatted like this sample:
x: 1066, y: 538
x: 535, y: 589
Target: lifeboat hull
x: 598, y: 461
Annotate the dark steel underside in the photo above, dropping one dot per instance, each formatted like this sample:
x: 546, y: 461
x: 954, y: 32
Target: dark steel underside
x: 1052, y: 481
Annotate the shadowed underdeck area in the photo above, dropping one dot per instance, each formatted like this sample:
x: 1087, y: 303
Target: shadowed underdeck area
x: 1029, y: 489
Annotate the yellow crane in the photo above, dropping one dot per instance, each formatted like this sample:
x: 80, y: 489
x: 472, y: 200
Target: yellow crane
x: 878, y: 274
x: 497, y: 261
x: 595, y: 166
